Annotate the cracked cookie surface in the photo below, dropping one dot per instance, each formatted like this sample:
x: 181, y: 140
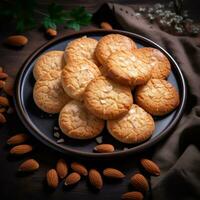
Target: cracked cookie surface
x: 76, y: 122
x: 158, y: 97
x: 49, y: 95
x: 49, y: 65
x: 112, y: 43
x: 135, y: 127
x: 76, y: 75
x: 107, y: 99
x: 127, y: 68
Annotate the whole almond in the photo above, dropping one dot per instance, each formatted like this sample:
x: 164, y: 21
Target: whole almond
x: 2, y: 119
x: 104, y: 148
x: 139, y: 182
x: 17, y: 139
x: 21, y: 149
x: 150, y: 166
x: 72, y: 178
x: 29, y: 165
x: 95, y: 179
x: 132, y: 196
x: 61, y: 168
x: 51, y: 32
x: 106, y: 26
x: 4, y: 101
x: 52, y: 178
x: 8, y: 86
x: 3, y: 75
x: 2, y: 83
x: 2, y: 110
x: 79, y: 168
x: 113, y: 173
x: 16, y: 40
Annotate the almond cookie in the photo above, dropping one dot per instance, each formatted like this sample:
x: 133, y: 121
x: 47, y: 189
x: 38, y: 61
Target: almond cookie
x: 160, y: 64
x: 76, y: 75
x: 107, y: 99
x: 112, y: 43
x: 49, y: 96
x: 76, y: 122
x: 81, y: 48
x: 49, y: 65
x: 158, y: 97
x: 128, y: 69
x: 135, y: 127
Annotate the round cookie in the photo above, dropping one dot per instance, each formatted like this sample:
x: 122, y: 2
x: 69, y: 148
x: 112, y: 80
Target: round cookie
x: 112, y: 43
x: 49, y: 65
x: 158, y: 97
x: 83, y: 47
x: 107, y: 99
x: 128, y: 69
x: 49, y: 96
x: 76, y: 75
x: 76, y: 122
x: 160, y: 64
x: 135, y: 127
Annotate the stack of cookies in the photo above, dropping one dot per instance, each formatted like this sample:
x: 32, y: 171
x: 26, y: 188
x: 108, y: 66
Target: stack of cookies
x: 107, y: 80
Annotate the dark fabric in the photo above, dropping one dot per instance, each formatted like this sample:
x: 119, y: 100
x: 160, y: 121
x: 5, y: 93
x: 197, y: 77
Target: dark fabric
x: 179, y: 155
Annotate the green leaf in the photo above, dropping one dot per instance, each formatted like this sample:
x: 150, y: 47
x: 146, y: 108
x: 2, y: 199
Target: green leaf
x: 74, y: 25
x: 49, y: 23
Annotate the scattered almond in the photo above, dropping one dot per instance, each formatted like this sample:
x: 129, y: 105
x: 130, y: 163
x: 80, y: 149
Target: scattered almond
x: 17, y: 40
x: 61, y: 168
x: 2, y: 119
x: 52, y: 178
x: 132, y: 196
x: 17, y: 139
x: 79, y: 168
x: 8, y: 86
x: 139, y: 182
x: 51, y: 32
x: 29, y: 165
x: 2, y: 110
x: 4, y: 101
x: 150, y: 166
x: 3, y: 75
x: 113, y: 173
x: 95, y: 179
x: 2, y: 83
x: 106, y: 25
x: 72, y: 179
x: 104, y: 148
x: 21, y: 149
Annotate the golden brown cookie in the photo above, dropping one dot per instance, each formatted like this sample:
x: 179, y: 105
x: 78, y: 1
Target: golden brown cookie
x: 76, y: 75
x: 128, y: 69
x: 158, y: 97
x: 83, y: 47
x: 76, y: 122
x: 135, y: 127
x: 160, y: 64
x: 49, y: 65
x: 107, y: 99
x: 49, y: 96
x: 112, y: 43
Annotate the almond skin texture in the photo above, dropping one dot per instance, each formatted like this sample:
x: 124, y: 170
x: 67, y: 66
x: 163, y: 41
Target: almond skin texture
x: 3, y: 75
x: 8, y: 86
x: 2, y: 83
x: 72, y: 179
x: 104, y: 148
x: 51, y: 32
x: 21, y: 149
x: 139, y: 182
x: 2, y: 119
x: 106, y: 26
x: 79, y: 168
x: 113, y: 173
x: 150, y: 167
x: 52, y: 178
x: 95, y: 179
x: 4, y: 101
x: 16, y: 40
x: 61, y: 168
x: 2, y: 110
x: 17, y: 139
x: 132, y: 196
x: 29, y: 165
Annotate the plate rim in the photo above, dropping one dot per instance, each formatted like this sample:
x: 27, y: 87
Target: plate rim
x: 141, y: 147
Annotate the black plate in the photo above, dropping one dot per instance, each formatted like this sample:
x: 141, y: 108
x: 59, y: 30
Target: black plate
x: 41, y: 124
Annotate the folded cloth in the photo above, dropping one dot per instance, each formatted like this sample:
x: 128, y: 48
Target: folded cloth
x: 179, y: 155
